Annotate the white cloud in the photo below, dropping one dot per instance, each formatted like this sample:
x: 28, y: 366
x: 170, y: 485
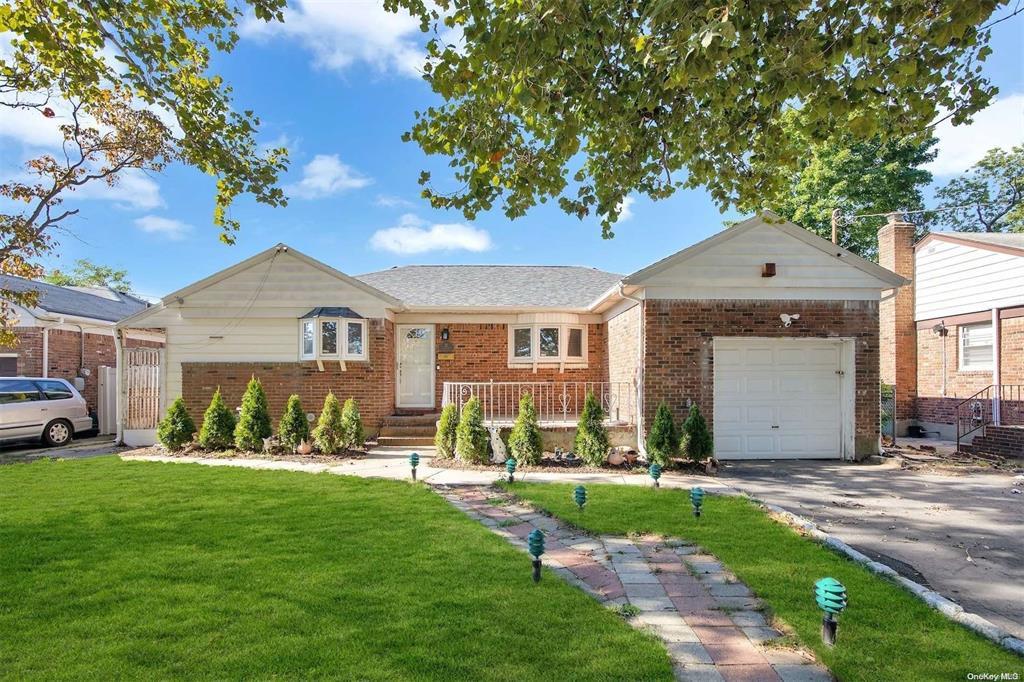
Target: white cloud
x: 341, y: 34
x: 390, y: 201
x: 165, y: 227
x: 134, y: 189
x: 326, y: 175
x: 413, y: 235
x: 626, y: 208
x: 960, y: 147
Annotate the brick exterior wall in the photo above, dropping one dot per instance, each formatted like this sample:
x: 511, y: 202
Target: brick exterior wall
x: 623, y: 346
x: 679, y: 356
x: 371, y: 383
x: 935, y: 408
x: 481, y: 354
x: 897, y: 330
x: 63, y: 355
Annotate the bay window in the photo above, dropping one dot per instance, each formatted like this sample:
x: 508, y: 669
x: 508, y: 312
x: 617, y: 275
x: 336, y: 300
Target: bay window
x: 332, y: 334
x: 547, y: 343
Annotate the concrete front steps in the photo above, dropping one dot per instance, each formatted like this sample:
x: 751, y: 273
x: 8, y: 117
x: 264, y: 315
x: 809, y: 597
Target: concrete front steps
x: 408, y: 430
x: 1001, y: 441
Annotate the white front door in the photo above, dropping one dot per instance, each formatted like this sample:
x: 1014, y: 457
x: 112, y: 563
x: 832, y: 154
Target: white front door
x: 415, y: 350
x: 778, y: 398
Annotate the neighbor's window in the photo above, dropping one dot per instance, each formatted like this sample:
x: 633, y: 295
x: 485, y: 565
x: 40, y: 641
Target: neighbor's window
x: 547, y: 343
x: 976, y: 346
x: 332, y: 338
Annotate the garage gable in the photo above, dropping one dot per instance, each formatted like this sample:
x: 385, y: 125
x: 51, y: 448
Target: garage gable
x: 765, y: 257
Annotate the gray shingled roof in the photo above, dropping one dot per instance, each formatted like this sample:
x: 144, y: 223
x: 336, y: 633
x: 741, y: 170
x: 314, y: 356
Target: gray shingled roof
x: 513, y: 286
x: 68, y: 301
x: 1012, y: 239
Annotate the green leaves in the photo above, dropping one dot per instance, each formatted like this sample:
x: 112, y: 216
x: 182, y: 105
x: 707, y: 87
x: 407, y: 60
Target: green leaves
x: 989, y: 197
x: 671, y: 94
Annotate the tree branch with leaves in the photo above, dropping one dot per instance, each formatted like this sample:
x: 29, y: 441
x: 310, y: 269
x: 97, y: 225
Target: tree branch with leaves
x: 989, y: 197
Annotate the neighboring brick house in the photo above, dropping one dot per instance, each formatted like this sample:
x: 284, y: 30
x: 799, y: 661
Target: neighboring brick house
x: 954, y: 341
x: 771, y: 330
x: 69, y: 333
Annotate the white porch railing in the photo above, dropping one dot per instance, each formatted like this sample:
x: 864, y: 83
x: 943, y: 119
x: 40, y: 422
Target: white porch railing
x: 559, y: 403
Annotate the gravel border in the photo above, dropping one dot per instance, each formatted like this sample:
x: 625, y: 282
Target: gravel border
x: 945, y: 606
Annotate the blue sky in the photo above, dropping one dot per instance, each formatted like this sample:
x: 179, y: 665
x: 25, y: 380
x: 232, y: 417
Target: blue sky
x: 337, y: 85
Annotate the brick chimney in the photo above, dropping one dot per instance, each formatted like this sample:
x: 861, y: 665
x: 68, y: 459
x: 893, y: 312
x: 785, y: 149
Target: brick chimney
x: 897, y: 331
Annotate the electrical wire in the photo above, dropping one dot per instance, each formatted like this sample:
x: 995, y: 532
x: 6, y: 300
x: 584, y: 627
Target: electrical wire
x: 923, y: 210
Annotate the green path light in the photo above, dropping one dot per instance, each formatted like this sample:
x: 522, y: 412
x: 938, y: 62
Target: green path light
x: 655, y: 471
x: 580, y: 495
x: 830, y: 595
x: 414, y: 461
x: 510, y: 467
x: 535, y: 542
x: 697, y: 499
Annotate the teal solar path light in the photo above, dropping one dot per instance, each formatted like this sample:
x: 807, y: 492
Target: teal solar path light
x: 535, y: 541
x: 510, y: 467
x: 697, y: 499
x: 580, y: 496
x: 831, y: 597
x: 655, y: 471
x: 414, y: 461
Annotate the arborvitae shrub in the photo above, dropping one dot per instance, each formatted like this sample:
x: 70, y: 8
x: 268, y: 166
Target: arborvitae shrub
x: 218, y: 432
x: 254, y: 421
x: 591, y: 442
x: 176, y: 428
x: 444, y: 441
x: 328, y: 432
x: 351, y: 426
x: 294, y: 427
x: 471, y: 438
x: 699, y: 443
x: 525, y: 443
x: 663, y: 440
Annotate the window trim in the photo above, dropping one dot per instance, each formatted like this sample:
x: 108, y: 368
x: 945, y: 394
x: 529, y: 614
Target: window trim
x: 983, y: 367
x: 535, y: 358
x: 342, y: 339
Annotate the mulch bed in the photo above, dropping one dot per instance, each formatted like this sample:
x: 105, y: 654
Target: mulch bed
x: 314, y: 458
x: 552, y: 466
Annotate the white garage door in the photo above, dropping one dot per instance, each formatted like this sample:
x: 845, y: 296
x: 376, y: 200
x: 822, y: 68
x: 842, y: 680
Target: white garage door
x: 778, y: 398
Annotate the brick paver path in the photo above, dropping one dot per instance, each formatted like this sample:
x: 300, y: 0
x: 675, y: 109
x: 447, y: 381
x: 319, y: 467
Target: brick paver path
x: 710, y: 622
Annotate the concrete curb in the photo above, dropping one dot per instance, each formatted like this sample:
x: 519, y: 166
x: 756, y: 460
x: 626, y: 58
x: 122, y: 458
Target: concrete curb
x: 945, y: 606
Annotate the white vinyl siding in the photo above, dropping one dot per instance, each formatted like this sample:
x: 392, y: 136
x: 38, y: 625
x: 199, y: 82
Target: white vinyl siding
x: 732, y: 270
x: 954, y: 279
x: 976, y: 347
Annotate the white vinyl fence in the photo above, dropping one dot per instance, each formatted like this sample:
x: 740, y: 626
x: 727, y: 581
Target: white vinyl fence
x: 142, y: 388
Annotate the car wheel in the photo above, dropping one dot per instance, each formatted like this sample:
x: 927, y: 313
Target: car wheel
x: 57, y: 432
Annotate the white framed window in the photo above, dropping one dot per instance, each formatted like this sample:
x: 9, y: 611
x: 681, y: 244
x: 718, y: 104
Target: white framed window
x: 976, y: 347
x: 332, y: 338
x: 547, y: 343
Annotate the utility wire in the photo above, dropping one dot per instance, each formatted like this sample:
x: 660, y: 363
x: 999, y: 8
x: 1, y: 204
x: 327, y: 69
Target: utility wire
x: 923, y: 210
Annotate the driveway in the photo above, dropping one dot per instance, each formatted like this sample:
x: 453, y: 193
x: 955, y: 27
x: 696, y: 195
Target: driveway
x: 963, y: 534
x: 78, y: 448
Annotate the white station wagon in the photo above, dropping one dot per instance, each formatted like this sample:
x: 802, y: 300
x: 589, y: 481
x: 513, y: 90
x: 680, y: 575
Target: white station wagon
x: 37, y: 407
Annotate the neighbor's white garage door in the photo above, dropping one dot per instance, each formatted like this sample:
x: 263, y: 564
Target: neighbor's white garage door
x: 778, y: 398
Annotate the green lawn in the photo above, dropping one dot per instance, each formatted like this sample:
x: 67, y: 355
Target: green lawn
x: 886, y: 633
x: 113, y: 569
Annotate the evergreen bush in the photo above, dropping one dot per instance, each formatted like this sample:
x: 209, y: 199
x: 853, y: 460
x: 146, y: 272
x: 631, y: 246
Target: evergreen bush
x: 471, y: 438
x: 254, y: 421
x: 328, y: 432
x: 351, y: 426
x: 218, y: 432
x: 294, y: 427
x: 663, y: 440
x: 176, y: 428
x: 698, y: 438
x: 525, y: 443
x: 444, y: 440
x: 591, y: 443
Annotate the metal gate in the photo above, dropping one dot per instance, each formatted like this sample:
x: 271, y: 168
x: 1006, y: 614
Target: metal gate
x: 887, y: 412
x: 142, y: 387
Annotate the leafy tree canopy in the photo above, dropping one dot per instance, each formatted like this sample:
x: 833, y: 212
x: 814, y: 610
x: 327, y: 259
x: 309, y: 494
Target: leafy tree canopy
x: 89, y: 274
x: 989, y: 197
x: 587, y: 102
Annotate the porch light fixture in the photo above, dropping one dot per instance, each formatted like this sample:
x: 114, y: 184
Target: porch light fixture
x: 414, y: 461
x: 697, y: 499
x: 580, y: 496
x: 444, y: 334
x: 535, y: 542
x: 830, y: 595
x: 510, y: 467
x: 655, y: 472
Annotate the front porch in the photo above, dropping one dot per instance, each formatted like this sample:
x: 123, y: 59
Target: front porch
x: 559, y: 403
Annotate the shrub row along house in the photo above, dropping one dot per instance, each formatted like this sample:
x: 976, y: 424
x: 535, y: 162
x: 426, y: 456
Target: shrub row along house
x: 771, y: 330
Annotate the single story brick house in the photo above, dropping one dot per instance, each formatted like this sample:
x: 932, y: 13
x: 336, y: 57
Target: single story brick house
x: 771, y: 330
x: 953, y: 343
x: 69, y: 334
